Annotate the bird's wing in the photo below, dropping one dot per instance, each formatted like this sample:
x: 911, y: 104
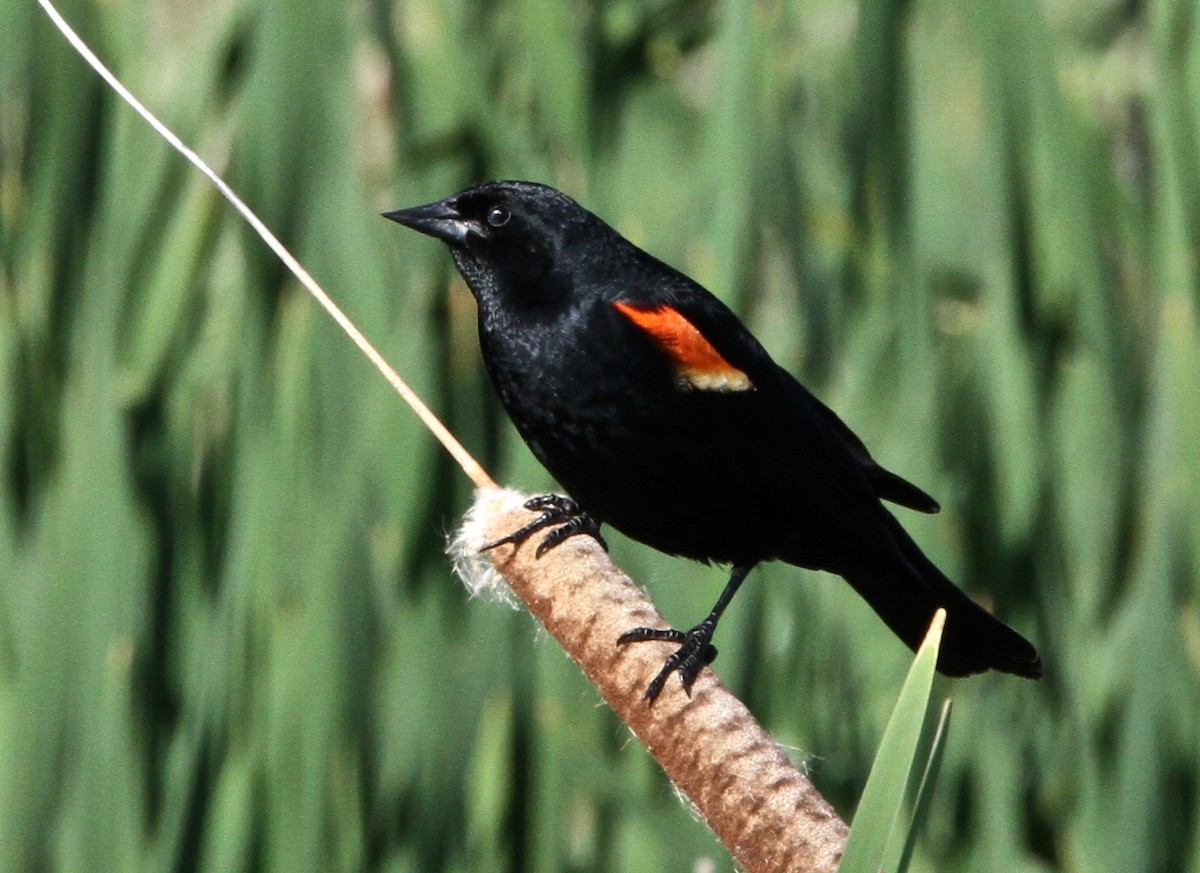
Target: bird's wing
x: 698, y: 363
x: 713, y: 350
x: 887, y: 484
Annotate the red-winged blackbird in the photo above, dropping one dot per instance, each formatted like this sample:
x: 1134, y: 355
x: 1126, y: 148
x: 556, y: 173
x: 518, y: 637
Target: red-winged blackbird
x: 661, y: 414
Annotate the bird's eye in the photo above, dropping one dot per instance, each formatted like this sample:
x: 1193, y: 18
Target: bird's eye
x: 498, y: 216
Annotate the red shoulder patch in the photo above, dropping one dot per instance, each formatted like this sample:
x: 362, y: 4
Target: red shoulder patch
x: 697, y: 363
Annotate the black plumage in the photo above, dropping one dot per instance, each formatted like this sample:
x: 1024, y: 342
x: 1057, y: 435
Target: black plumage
x: 660, y: 413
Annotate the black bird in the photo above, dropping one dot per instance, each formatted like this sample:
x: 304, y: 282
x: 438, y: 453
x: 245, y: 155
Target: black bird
x: 659, y: 413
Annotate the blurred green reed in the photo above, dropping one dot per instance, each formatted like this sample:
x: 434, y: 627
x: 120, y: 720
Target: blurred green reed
x: 228, y: 637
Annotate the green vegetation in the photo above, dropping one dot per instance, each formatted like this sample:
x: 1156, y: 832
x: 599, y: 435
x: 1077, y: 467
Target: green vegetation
x: 905, y: 769
x: 229, y: 640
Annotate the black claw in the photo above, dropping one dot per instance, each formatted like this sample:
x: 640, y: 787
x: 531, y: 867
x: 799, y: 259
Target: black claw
x: 556, y: 510
x: 559, y: 502
x: 655, y: 634
x: 579, y: 524
x: 695, y: 652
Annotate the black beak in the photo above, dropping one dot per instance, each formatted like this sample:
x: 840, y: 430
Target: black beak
x: 441, y: 220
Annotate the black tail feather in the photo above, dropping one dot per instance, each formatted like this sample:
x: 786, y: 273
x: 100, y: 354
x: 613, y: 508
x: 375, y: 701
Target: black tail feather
x: 973, y: 641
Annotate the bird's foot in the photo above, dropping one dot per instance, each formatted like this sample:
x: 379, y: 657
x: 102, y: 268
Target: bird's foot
x: 695, y: 652
x: 556, y: 510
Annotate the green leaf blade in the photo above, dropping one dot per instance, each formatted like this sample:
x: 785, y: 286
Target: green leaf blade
x: 882, y: 802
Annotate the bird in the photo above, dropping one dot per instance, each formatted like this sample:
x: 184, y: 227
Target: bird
x: 661, y: 415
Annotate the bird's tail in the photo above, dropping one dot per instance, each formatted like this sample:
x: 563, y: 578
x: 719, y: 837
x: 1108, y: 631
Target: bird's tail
x: 973, y: 641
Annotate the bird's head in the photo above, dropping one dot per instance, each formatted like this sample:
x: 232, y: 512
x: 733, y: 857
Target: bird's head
x: 506, y: 237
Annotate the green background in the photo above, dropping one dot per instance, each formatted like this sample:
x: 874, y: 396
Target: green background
x: 229, y: 640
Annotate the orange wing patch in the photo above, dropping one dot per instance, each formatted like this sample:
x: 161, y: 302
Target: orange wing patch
x: 697, y: 364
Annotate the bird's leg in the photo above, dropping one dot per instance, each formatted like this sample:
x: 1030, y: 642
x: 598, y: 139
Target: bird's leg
x: 558, y: 510
x: 696, y: 650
